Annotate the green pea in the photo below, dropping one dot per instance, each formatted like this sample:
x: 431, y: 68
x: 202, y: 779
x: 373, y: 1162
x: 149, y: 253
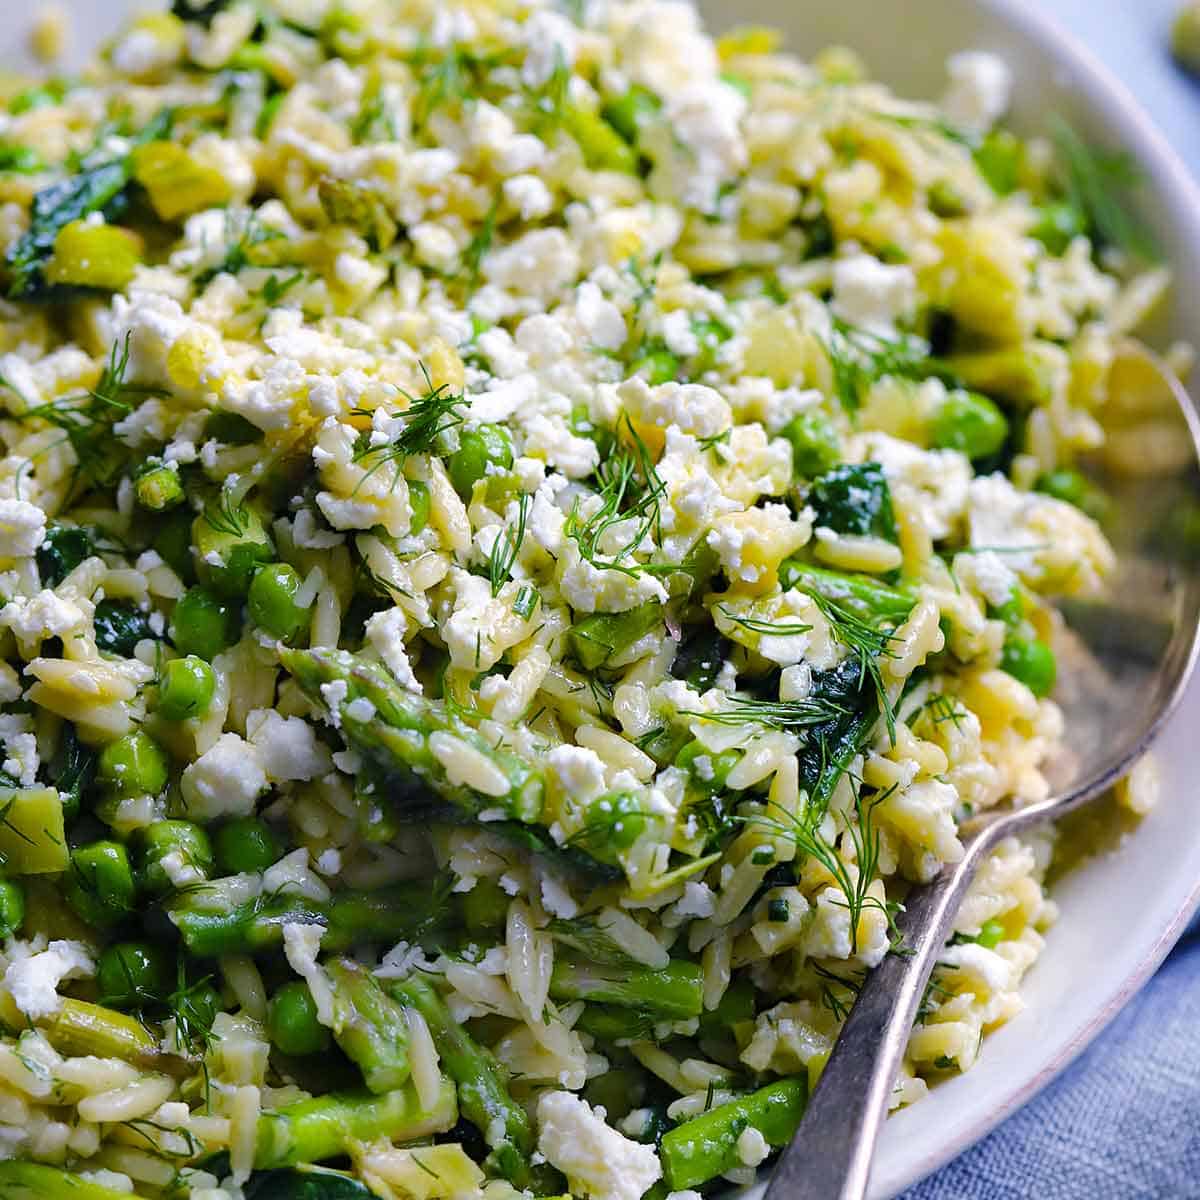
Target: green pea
x: 173, y: 543
x: 480, y: 452
x: 711, y: 335
x: 186, y: 688
x: 990, y: 935
x: 272, y: 602
x: 945, y: 200
x: 62, y: 550
x: 999, y: 158
x: 1075, y: 488
x: 602, y: 147
x: 246, y: 844
x: 614, y: 822
x: 133, y: 974
x: 816, y: 447
x: 418, y: 506
x: 1031, y: 661
x: 133, y: 765
x: 711, y: 777
x: 183, y: 839
x: 204, y: 624
x: 119, y: 627
x: 231, y: 543
x: 1012, y: 611
x: 656, y: 366
x: 292, y: 1021
x: 628, y: 112
x: 970, y: 422
x: 485, y: 906
x: 158, y: 486
x: 99, y: 885
x: 1057, y: 226
x: 12, y: 907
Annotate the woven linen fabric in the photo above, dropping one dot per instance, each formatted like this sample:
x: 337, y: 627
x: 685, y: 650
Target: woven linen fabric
x: 1123, y: 1123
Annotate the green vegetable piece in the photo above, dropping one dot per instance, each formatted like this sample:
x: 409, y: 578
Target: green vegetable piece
x: 713, y: 769
x: 357, y: 204
x: 100, y: 884
x: 325, y: 1126
x: 816, y: 447
x: 204, y: 624
x: 854, y: 500
x: 32, y: 838
x: 603, y: 148
x: 133, y: 765
x: 231, y: 429
x: 597, y: 638
x: 292, y: 1021
x: 158, y: 487
x: 656, y: 366
x: 134, y: 974
x: 1075, y: 488
x: 12, y: 907
x: 736, y: 1006
x: 246, y: 844
x: 93, y: 256
x: 418, y: 506
x: 675, y: 991
x: 173, y: 542
x: 34, y: 1181
x: 177, y: 183
x: 619, y: 1089
x: 64, y: 548
x: 272, y: 602
x: 43, y: 95
x: 81, y: 1028
x: 211, y: 925
x: 387, y: 738
x: 231, y: 543
x: 969, y: 422
x: 609, y: 1023
x: 20, y: 160
x: 482, y: 1083
x: 991, y: 934
x: 1031, y: 661
x: 485, y: 906
x: 630, y: 111
x: 119, y: 627
x: 999, y: 158
x: 1058, y: 225
x: 186, y: 849
x: 369, y: 1026
x: 861, y: 595
x: 711, y: 334
x: 706, y: 1146
x: 1012, y: 611
x: 186, y: 688
x: 482, y: 451
x: 305, y: 1181
x: 945, y: 200
x: 614, y: 822
x: 71, y: 770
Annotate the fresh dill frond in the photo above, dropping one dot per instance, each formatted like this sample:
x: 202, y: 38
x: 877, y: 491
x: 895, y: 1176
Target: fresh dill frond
x: 765, y: 628
x: 629, y: 490
x: 479, y: 245
x: 241, y: 252
x: 859, y: 357
x: 836, y: 1001
x: 868, y: 643
x: 932, y: 124
x: 942, y: 708
x: 225, y: 514
x: 506, y: 548
x: 87, y: 420
x: 427, y: 419
x: 448, y: 77
x: 788, y: 715
x: 1096, y: 183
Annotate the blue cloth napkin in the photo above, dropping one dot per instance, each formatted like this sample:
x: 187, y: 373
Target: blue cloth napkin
x: 1123, y: 1122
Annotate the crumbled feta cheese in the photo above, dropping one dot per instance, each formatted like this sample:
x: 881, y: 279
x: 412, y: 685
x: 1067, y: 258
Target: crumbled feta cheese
x: 33, y: 980
x: 871, y: 294
x: 288, y: 747
x: 46, y: 615
x: 557, y: 899
x: 291, y: 876
x: 600, y: 319
x: 22, y: 528
x: 225, y: 780
x: 690, y: 407
x: 301, y: 944
x: 578, y: 771
x: 385, y: 633
x: 979, y: 91
x: 529, y: 196
x: 597, y: 1160
x: 697, y: 901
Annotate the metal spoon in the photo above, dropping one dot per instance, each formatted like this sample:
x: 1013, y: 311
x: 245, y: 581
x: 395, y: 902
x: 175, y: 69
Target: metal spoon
x: 1126, y: 663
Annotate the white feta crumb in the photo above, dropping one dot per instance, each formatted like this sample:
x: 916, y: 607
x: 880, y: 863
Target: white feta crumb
x: 33, y: 981
x: 22, y: 528
x: 288, y: 747
x: 979, y: 91
x: 697, y: 901
x: 225, y: 780
x: 871, y: 294
x: 385, y: 633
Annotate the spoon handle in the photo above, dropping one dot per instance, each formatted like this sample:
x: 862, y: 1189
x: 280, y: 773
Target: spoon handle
x: 830, y: 1156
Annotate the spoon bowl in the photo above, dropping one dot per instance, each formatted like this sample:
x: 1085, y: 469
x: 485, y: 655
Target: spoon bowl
x: 1126, y: 656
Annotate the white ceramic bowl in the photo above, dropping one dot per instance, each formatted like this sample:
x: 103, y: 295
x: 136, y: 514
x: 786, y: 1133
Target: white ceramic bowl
x: 1121, y: 913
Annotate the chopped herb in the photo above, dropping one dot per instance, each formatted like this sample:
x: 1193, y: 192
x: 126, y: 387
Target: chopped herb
x: 506, y: 548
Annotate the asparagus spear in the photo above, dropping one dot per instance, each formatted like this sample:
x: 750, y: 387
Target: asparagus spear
x: 324, y: 1126
x: 34, y: 1181
x: 211, y: 928
x: 861, y: 595
x: 369, y: 1026
x: 482, y: 1087
x: 704, y: 1147
x: 81, y: 1028
x: 675, y: 992
x: 404, y: 732
x: 601, y: 636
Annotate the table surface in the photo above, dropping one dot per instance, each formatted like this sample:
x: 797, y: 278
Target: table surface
x: 1131, y: 37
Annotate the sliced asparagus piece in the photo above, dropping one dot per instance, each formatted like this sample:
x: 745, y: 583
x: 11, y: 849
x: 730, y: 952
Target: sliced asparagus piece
x: 369, y: 1026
